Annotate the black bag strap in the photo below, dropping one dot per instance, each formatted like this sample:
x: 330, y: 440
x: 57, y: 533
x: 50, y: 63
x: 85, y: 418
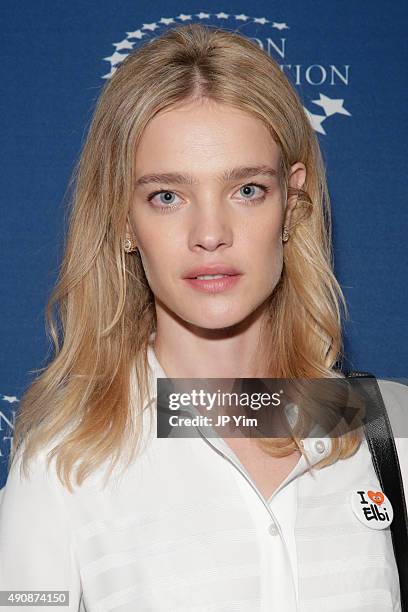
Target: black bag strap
x: 381, y: 442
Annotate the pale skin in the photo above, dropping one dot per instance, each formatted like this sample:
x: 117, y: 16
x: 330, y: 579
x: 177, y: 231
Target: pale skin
x: 212, y: 220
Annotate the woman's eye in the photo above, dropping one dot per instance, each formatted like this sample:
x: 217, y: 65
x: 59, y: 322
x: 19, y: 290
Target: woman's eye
x: 249, y: 191
x: 163, y: 198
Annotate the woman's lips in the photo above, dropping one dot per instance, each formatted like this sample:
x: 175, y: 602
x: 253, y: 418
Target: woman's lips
x: 215, y: 285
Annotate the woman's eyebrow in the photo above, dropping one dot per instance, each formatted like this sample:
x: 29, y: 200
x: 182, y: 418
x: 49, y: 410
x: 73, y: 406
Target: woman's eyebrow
x: 231, y: 174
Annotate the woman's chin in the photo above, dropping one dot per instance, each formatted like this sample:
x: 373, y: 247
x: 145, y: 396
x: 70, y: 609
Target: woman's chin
x: 214, y: 319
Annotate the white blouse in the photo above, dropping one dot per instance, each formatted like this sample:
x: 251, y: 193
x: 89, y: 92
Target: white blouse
x: 186, y: 530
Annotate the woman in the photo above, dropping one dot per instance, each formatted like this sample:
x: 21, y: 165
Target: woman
x: 200, y: 160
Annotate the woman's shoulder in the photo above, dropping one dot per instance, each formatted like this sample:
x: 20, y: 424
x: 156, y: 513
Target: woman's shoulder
x: 395, y: 396
x: 33, y: 475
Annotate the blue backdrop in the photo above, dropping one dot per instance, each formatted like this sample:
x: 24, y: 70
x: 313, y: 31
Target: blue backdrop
x: 348, y: 62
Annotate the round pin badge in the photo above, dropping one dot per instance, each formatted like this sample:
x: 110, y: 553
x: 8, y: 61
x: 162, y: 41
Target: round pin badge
x: 372, y: 507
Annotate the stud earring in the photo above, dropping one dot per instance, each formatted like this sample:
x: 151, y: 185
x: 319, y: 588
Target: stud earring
x: 129, y: 245
x: 285, y: 234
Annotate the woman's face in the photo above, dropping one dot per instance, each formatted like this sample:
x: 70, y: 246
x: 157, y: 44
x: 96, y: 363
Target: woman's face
x: 222, y: 211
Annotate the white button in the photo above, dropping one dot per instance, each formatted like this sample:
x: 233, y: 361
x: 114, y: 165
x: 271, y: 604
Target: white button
x: 319, y: 446
x: 272, y: 529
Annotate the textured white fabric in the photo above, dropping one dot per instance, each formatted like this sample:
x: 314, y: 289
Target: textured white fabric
x: 186, y: 530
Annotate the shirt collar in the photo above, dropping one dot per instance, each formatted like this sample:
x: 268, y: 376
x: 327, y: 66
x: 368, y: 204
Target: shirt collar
x: 316, y: 448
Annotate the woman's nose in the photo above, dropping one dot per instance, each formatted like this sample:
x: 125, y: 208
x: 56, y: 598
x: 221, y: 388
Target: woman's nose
x: 211, y: 227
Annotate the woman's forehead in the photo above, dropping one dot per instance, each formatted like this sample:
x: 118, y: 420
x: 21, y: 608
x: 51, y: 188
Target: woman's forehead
x: 217, y: 136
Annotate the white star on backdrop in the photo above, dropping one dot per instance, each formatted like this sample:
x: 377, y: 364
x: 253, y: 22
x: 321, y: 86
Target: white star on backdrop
x: 123, y: 44
x: 136, y: 34
x: 150, y: 26
x: 115, y: 58
x: 10, y: 398
x: 316, y: 121
x: 280, y: 26
x: 203, y: 15
x: 111, y: 73
x: 222, y: 15
x: 184, y: 17
x: 241, y: 17
x: 261, y: 20
x: 331, y: 106
x: 166, y: 20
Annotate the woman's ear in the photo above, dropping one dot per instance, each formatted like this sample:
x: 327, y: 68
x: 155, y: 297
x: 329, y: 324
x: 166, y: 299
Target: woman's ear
x: 296, y: 179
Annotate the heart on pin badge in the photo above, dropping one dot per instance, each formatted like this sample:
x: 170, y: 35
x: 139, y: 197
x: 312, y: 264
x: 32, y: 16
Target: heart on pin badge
x: 377, y: 497
x: 371, y: 506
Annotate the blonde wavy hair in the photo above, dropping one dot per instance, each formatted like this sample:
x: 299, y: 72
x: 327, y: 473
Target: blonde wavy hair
x: 101, y: 313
